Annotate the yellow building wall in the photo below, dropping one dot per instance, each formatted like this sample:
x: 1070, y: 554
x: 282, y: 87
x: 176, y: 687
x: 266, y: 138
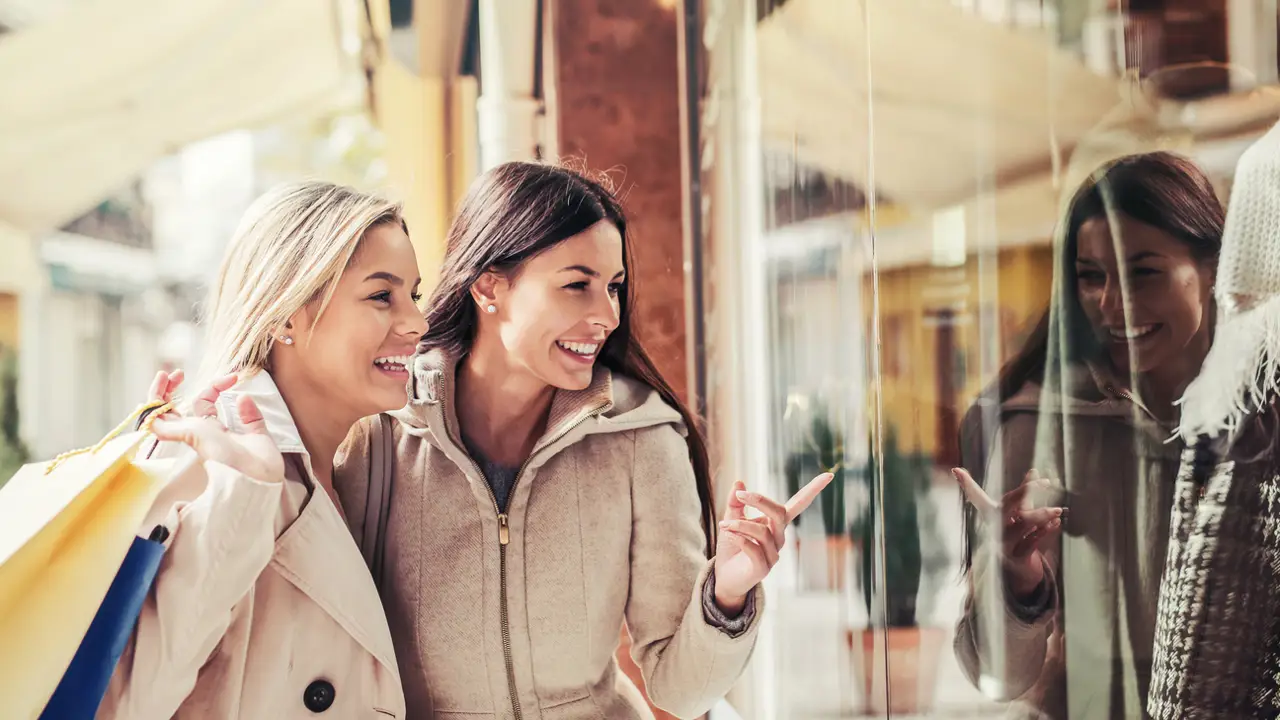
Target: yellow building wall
x: 429, y: 123
x: 993, y: 304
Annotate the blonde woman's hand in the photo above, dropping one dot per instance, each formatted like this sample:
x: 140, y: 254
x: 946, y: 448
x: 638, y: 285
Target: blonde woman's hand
x: 166, y: 383
x: 251, y: 452
x: 1024, y: 528
x: 747, y: 548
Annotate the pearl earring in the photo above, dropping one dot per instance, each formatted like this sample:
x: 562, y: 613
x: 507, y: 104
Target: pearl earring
x: 491, y: 309
x: 287, y: 340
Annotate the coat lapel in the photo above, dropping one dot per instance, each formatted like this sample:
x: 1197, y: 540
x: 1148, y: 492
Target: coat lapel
x: 318, y: 555
x: 317, y: 552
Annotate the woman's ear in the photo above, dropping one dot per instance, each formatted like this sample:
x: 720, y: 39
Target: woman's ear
x: 489, y: 290
x: 1209, y: 273
x: 297, y: 326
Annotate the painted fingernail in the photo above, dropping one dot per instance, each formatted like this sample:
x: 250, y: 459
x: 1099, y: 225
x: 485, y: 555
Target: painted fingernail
x: 742, y: 495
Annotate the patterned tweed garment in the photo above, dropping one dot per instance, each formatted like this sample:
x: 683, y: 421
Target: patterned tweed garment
x: 1242, y: 370
x: 1217, y: 651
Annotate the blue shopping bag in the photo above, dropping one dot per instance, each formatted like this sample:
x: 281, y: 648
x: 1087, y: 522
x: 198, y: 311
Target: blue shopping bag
x: 85, y: 683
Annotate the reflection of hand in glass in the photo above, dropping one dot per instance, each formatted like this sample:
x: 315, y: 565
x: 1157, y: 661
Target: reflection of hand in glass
x: 1025, y: 527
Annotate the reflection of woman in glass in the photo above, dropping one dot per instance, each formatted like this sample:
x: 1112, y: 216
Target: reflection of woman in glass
x: 1064, y: 621
x: 1217, y: 651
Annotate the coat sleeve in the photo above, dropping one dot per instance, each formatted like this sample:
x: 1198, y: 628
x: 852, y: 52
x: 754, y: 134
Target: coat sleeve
x: 688, y: 660
x: 1001, y: 642
x: 222, y: 535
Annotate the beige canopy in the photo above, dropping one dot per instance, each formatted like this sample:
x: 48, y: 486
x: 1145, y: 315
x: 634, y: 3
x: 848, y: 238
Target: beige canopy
x: 944, y: 111
x: 953, y: 98
x: 90, y: 97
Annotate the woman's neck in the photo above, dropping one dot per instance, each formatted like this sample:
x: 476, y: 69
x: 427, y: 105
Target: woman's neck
x: 321, y: 428
x: 502, y: 410
x: 1161, y: 387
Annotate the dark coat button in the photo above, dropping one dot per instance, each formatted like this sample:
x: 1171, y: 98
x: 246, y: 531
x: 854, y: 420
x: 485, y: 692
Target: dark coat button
x: 319, y: 696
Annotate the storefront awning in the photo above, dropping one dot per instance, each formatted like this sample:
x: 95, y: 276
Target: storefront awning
x: 91, y: 97
x: 1026, y: 212
x: 990, y: 126
x: 943, y: 99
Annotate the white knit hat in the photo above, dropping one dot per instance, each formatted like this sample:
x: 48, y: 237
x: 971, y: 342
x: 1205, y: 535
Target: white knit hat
x: 1242, y: 370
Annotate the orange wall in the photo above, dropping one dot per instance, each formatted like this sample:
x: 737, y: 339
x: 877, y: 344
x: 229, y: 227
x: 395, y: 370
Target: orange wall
x: 8, y: 321
x: 992, y: 303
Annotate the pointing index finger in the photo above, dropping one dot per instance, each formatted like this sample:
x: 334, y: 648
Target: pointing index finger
x: 973, y: 492
x: 807, y: 495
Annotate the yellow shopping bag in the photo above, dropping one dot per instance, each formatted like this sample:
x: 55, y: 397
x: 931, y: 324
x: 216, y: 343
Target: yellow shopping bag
x: 65, y: 527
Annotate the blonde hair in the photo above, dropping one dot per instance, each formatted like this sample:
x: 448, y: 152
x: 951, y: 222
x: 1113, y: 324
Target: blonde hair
x: 288, y: 252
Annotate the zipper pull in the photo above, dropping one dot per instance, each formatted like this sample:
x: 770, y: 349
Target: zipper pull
x: 504, y: 532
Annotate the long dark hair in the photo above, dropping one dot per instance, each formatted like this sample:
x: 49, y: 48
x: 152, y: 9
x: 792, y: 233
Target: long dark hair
x: 516, y: 211
x: 1160, y: 189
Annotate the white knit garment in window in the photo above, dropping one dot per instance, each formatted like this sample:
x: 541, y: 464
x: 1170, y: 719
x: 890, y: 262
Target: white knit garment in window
x: 1242, y: 370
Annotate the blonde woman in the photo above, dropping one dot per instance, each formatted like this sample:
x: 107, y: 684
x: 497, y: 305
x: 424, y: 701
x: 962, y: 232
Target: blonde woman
x: 264, y: 607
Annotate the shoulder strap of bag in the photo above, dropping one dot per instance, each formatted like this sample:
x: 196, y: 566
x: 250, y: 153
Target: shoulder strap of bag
x: 382, y: 459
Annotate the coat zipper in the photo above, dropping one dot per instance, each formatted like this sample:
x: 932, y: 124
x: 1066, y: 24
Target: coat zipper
x: 1134, y: 399
x: 504, y: 538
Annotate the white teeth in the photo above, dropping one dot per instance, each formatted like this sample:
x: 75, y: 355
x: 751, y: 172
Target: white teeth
x: 1132, y: 333
x: 579, y: 348
x: 401, y: 360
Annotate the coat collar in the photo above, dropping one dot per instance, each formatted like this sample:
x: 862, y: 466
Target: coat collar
x: 280, y: 425
x: 611, y: 403
x: 1086, y: 389
x: 432, y: 400
x: 435, y: 373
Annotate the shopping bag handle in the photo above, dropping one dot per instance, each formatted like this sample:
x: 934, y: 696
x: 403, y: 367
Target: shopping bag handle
x: 151, y: 410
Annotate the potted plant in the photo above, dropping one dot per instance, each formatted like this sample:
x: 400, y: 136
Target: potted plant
x: 821, y: 450
x: 895, y: 656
